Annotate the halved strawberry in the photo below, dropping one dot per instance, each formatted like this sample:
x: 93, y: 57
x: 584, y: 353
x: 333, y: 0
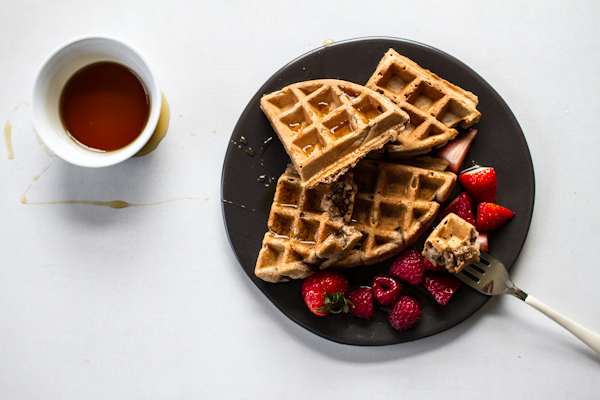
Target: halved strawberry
x: 482, y: 239
x: 429, y: 266
x: 481, y: 183
x: 441, y: 287
x: 456, y: 151
x: 491, y: 216
x: 461, y: 206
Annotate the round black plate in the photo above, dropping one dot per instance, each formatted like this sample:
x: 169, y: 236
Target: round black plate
x: 248, y: 185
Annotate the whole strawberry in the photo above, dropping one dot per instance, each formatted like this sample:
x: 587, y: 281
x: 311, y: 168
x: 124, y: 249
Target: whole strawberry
x: 325, y: 292
x: 405, y: 313
x: 408, y: 266
x: 481, y: 183
x: 491, y: 216
x: 361, y: 302
x: 386, y: 289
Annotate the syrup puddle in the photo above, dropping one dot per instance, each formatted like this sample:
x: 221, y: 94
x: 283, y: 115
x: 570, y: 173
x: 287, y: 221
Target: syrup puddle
x: 8, y: 133
x: 8, y: 139
x: 161, y: 129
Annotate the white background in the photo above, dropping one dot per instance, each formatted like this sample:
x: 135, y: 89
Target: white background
x: 150, y: 303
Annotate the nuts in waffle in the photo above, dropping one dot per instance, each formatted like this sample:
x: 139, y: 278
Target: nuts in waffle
x: 394, y: 205
x: 308, y: 228
x: 327, y: 125
x: 434, y: 105
x: 452, y: 244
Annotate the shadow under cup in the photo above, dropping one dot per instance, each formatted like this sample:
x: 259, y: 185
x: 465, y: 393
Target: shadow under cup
x: 55, y: 72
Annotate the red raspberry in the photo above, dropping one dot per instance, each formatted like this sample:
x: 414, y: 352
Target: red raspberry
x: 408, y: 266
x: 405, y: 313
x: 386, y: 289
x: 441, y: 287
x: 361, y: 302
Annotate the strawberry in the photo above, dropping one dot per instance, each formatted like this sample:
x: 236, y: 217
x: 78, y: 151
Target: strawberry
x: 405, y: 313
x: 456, y: 151
x: 482, y: 239
x: 325, y: 292
x: 408, y: 266
x: 361, y: 302
x: 461, y: 206
x: 386, y: 289
x: 441, y: 287
x: 429, y: 266
x: 481, y: 183
x: 491, y: 216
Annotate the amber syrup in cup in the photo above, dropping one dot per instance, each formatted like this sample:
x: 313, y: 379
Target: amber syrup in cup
x: 104, y: 106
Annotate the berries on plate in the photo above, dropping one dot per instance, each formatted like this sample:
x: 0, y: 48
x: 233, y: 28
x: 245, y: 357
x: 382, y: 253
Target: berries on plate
x: 456, y: 151
x: 461, y: 206
x: 405, y: 313
x: 481, y: 183
x: 441, y: 287
x: 362, y: 303
x: 483, y: 241
x: 429, y: 266
x: 492, y: 216
x: 386, y: 289
x: 408, y: 266
x: 326, y: 292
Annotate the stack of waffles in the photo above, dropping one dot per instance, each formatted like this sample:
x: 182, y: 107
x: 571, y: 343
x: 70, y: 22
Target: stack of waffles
x: 335, y: 208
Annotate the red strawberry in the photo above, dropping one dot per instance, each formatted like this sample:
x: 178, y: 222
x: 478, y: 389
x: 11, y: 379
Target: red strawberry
x: 461, y: 206
x: 361, y: 302
x: 491, y: 216
x: 408, y: 266
x: 429, y: 266
x: 481, y: 183
x: 405, y: 313
x: 386, y: 289
x: 441, y: 287
x: 482, y: 239
x: 325, y: 292
x: 456, y: 151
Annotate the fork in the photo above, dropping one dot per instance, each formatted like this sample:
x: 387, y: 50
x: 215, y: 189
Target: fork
x: 490, y: 277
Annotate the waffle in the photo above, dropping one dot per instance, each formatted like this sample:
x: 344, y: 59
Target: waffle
x: 308, y: 228
x: 435, y: 106
x: 452, y: 244
x: 327, y: 125
x: 393, y: 207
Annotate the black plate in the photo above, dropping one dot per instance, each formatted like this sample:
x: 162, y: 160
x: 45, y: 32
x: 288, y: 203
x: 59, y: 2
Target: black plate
x: 248, y: 185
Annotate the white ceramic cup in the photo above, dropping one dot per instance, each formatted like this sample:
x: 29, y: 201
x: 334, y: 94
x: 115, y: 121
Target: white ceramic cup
x: 54, y: 73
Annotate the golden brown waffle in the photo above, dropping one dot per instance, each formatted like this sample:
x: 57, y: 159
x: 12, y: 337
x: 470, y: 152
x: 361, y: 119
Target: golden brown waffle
x: 452, y: 244
x: 393, y: 207
x: 308, y: 228
x: 435, y: 106
x: 327, y: 125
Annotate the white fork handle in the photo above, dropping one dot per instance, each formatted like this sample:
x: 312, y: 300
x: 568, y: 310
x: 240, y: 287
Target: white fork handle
x: 588, y: 337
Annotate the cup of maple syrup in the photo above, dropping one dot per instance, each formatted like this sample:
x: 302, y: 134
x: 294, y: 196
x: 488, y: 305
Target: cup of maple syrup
x: 96, y: 101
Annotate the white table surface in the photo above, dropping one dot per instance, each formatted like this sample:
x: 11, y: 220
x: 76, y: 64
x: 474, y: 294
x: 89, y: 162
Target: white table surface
x: 150, y: 302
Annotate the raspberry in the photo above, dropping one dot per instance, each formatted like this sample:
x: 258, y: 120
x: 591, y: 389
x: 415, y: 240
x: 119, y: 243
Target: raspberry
x: 386, y: 289
x: 441, y: 287
x: 361, y: 302
x: 408, y: 266
x: 405, y: 313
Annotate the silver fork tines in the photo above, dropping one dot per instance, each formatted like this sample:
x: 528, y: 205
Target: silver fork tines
x: 490, y: 277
